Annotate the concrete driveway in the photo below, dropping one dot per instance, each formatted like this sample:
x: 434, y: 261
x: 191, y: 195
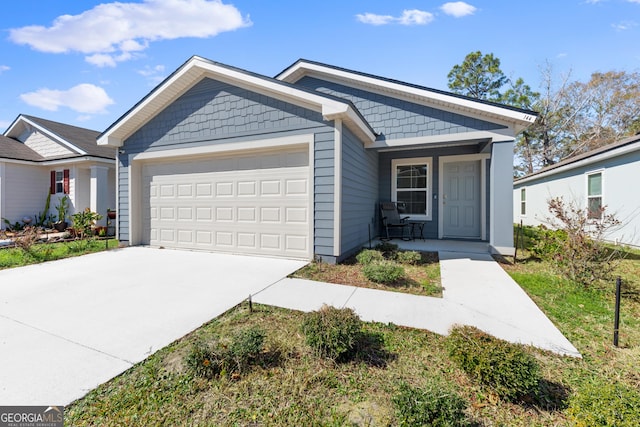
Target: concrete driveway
x: 67, y: 326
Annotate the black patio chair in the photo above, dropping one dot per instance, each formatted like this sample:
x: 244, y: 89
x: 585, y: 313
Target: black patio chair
x: 391, y: 219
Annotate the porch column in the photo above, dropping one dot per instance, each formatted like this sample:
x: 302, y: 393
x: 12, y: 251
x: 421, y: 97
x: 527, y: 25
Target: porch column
x: 501, y: 198
x: 99, y: 192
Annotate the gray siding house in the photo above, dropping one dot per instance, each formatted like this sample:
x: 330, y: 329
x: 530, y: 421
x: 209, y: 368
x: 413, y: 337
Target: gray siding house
x: 222, y: 159
x: 600, y: 178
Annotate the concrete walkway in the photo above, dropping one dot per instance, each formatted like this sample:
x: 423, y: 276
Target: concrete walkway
x: 477, y: 291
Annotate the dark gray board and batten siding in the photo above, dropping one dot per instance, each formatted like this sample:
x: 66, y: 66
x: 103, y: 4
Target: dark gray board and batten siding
x: 213, y: 112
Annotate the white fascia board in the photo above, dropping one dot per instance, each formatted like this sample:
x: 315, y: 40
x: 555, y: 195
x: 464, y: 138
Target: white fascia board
x: 517, y: 119
x: 195, y: 70
x: 581, y: 163
x: 51, y: 135
x: 354, y: 122
x: 500, y: 135
x: 59, y: 162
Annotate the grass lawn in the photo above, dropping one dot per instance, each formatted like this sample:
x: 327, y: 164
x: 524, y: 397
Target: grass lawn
x: 15, y: 257
x: 420, y: 279
x: 293, y: 386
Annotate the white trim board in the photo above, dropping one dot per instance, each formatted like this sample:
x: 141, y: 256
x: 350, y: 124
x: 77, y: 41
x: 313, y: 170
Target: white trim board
x: 50, y: 134
x: 197, y: 68
x: 517, y: 119
x: 137, y: 161
x: 412, y: 161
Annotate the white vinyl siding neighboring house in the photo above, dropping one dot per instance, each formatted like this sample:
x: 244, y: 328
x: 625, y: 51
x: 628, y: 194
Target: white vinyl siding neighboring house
x: 603, y: 178
x: 40, y: 157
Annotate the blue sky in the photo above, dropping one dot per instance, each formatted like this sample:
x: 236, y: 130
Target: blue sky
x: 87, y: 62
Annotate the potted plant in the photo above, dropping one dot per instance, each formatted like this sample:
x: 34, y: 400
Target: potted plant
x: 111, y: 214
x: 62, y: 208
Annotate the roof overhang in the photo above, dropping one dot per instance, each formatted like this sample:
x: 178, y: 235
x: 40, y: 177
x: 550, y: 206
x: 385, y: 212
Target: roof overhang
x: 58, y: 162
x: 21, y: 123
x: 514, y: 118
x: 197, y: 68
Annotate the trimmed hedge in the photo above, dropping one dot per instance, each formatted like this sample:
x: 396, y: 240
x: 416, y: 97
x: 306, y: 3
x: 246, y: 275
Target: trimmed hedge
x: 505, y: 368
x: 332, y: 332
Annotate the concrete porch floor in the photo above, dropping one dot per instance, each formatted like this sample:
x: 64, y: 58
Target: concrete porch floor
x: 433, y: 245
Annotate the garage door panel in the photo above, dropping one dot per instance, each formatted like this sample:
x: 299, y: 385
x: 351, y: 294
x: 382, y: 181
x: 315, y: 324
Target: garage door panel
x: 185, y: 190
x: 254, y: 204
x: 247, y: 214
x: 224, y: 238
x: 296, y: 243
x: 270, y: 187
x: 204, y: 190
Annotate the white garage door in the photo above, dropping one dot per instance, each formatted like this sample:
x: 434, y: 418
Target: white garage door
x: 245, y: 203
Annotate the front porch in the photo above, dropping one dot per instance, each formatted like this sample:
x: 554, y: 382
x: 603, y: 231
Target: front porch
x: 433, y: 245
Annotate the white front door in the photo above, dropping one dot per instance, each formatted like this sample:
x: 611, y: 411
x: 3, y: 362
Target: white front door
x: 461, y: 200
x: 254, y: 203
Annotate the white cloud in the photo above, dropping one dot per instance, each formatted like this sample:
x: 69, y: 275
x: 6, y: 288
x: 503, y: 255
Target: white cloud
x: 562, y: 55
x: 373, y: 19
x: 458, y: 9
x: 83, y: 98
x: 153, y: 74
x: 408, y: 17
x: 4, y: 124
x: 151, y: 71
x: 4, y: 68
x: 415, y: 17
x: 115, y: 32
x: 624, y: 25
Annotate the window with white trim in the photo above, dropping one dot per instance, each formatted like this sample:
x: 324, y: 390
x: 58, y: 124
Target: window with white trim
x: 59, y: 182
x: 594, y: 195
x: 523, y: 201
x: 411, y: 186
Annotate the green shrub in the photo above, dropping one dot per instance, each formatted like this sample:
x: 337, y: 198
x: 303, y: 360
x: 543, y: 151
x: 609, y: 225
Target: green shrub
x: 203, y: 361
x: 246, y: 346
x: 383, y: 272
x: 332, y: 332
x: 505, y: 368
x: 409, y: 257
x: 388, y: 249
x: 433, y: 405
x: 600, y: 403
x: 368, y: 256
x: 546, y: 244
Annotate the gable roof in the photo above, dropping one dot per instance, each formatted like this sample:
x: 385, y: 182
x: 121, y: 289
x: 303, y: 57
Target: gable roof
x: 198, y: 68
x: 80, y: 141
x: 614, y: 149
x: 16, y: 150
x: 516, y: 118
